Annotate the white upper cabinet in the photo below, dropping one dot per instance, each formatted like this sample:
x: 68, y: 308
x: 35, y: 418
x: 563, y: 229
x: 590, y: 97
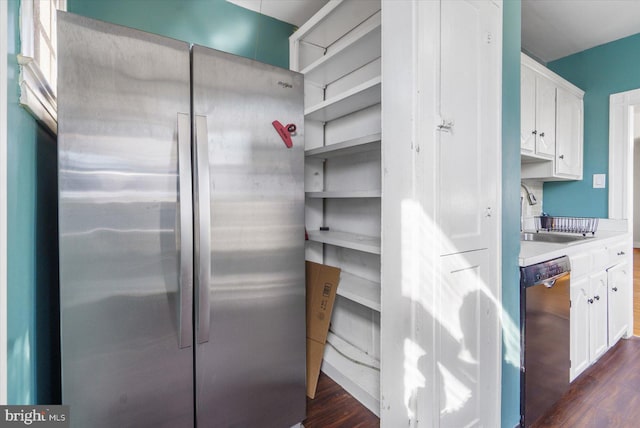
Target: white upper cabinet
x: 545, y: 117
x: 569, y: 135
x: 551, y: 127
x: 527, y: 111
x: 537, y: 110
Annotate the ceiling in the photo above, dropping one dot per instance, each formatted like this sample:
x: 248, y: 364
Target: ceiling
x: 551, y: 29
x: 295, y: 12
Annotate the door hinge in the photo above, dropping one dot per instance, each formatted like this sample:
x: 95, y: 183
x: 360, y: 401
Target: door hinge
x: 488, y: 38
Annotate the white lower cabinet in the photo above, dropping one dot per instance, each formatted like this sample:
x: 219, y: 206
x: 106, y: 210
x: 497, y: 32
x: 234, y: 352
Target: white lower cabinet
x: 601, y: 302
x: 618, y: 279
x: 588, y: 321
x: 579, y: 320
x: 597, y: 315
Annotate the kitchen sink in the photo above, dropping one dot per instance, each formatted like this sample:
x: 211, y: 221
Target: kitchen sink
x: 552, y: 237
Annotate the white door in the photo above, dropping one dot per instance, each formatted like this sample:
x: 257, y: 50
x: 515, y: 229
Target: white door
x: 527, y: 111
x: 598, y: 315
x: 468, y: 158
x: 569, y: 135
x: 579, y: 326
x: 468, y: 361
x: 617, y: 278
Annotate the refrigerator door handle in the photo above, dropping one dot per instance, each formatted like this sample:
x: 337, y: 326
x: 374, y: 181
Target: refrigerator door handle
x: 203, y: 225
x: 185, y: 233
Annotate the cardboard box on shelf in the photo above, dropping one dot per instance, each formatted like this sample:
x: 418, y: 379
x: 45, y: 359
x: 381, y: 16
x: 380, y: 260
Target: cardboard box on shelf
x: 322, y: 284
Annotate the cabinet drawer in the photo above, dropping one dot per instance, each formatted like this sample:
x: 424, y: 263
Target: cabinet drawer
x: 580, y: 265
x: 617, y: 253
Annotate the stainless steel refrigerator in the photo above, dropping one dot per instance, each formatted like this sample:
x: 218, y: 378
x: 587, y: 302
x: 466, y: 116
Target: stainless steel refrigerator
x: 181, y: 233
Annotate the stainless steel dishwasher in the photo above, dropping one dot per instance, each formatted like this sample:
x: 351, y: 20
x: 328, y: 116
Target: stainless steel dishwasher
x: 544, y: 322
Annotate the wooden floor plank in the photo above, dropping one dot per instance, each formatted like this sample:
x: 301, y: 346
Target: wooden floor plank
x: 333, y: 407
x: 605, y: 395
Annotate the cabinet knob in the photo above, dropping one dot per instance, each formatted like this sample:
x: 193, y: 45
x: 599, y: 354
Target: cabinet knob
x: 615, y: 288
x: 534, y: 132
x: 561, y: 156
x: 621, y: 253
x: 590, y: 301
x: 596, y: 297
x: 542, y: 134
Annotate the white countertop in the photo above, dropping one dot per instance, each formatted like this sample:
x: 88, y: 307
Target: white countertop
x: 536, y: 252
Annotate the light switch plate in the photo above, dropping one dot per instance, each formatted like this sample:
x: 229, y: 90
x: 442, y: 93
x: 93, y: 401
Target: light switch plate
x: 599, y: 181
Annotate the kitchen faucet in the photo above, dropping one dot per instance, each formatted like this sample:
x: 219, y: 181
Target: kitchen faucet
x: 530, y: 196
x: 531, y: 200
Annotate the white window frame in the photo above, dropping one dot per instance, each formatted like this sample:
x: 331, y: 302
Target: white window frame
x: 36, y: 93
x: 4, y: 36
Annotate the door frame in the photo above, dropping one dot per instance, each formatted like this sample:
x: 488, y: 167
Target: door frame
x: 4, y: 36
x: 621, y: 155
x: 621, y: 117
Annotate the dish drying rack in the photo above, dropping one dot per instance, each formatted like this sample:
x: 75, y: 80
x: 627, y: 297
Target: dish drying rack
x: 583, y: 225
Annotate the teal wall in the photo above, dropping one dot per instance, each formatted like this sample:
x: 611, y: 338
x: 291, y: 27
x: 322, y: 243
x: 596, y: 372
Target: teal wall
x: 214, y: 23
x: 511, y: 212
x: 32, y: 327
x: 600, y: 72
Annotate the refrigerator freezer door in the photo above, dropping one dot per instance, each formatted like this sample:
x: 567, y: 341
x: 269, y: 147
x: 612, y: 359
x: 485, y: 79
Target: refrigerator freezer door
x: 251, y: 372
x: 122, y: 270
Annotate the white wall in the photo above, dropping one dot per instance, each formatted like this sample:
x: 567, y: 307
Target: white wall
x: 636, y: 178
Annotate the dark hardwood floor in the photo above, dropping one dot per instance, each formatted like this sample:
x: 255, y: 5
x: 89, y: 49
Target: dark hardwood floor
x: 333, y: 407
x: 606, y: 395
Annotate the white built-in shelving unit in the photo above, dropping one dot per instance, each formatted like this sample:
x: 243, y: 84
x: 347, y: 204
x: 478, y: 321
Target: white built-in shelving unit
x: 339, y: 52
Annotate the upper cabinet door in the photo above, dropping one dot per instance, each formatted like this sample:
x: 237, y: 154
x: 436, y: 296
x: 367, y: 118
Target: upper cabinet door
x: 470, y: 132
x: 569, y: 135
x: 528, y: 111
x: 545, y: 117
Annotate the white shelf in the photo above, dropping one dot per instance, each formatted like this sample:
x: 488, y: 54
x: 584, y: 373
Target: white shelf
x: 357, y: 372
x: 334, y: 20
x: 357, y: 145
x: 360, y: 97
x: 367, y: 244
x: 345, y: 57
x: 359, y: 290
x: 345, y: 194
x: 533, y: 158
